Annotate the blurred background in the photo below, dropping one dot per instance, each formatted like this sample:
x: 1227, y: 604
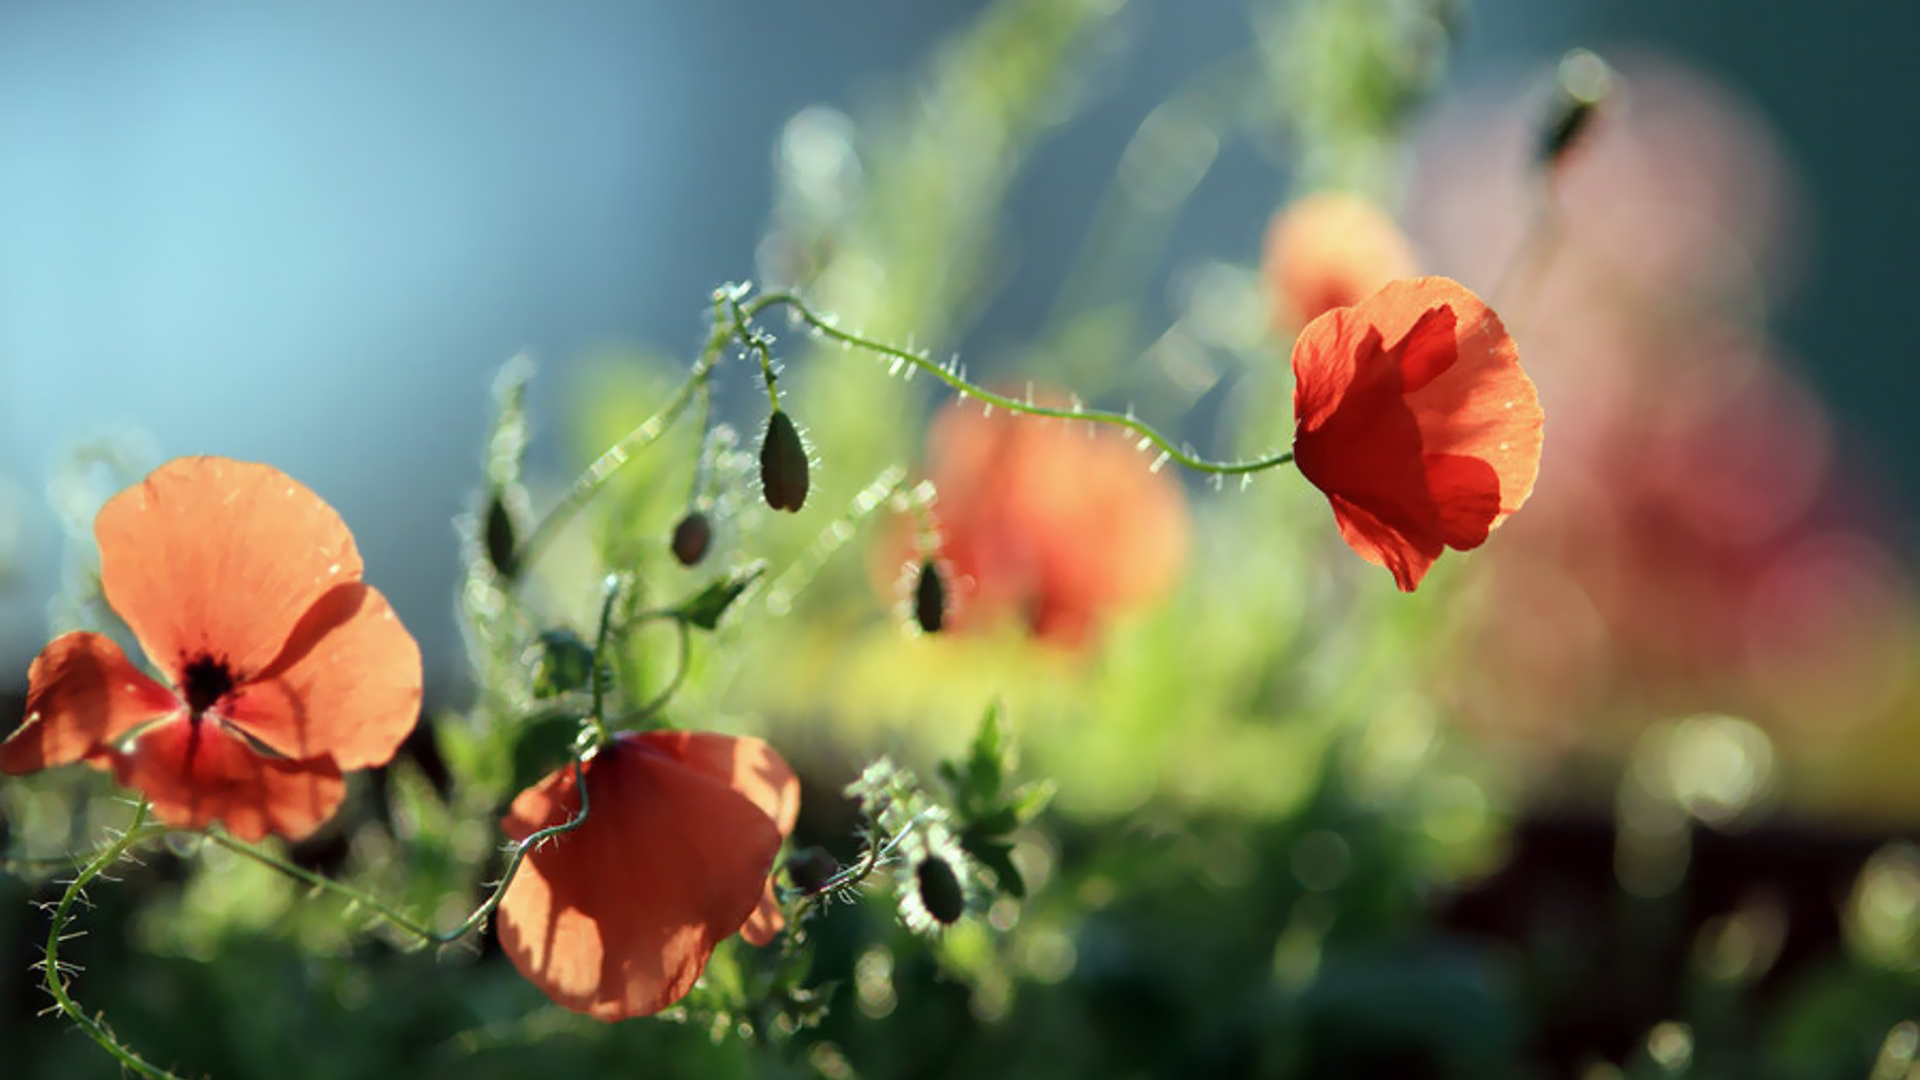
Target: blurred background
x: 310, y: 238
x: 1628, y: 790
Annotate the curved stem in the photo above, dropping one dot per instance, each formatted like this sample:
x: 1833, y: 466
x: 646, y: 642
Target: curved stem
x: 597, y: 678
x: 852, y: 876
x: 703, y: 463
x: 756, y: 342
x: 518, y: 852
x: 589, y: 483
x: 659, y: 701
x: 1148, y: 435
x: 1520, y: 279
x: 320, y: 881
x: 54, y: 974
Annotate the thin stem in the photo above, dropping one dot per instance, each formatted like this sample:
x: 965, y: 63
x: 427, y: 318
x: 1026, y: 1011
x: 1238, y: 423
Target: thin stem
x: 320, y: 881
x: 589, y: 483
x: 659, y: 701
x: 597, y: 679
x: 853, y: 875
x: 518, y: 852
x: 756, y: 342
x: 1148, y: 435
x: 54, y: 974
x: 703, y: 462
x: 800, y: 572
x: 1520, y: 279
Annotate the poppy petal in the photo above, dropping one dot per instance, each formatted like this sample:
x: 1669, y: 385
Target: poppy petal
x: 1408, y: 554
x: 215, y: 557
x: 617, y: 918
x: 346, y: 686
x: 752, y: 768
x: 743, y: 763
x: 82, y: 694
x: 1484, y: 406
x: 1326, y: 358
x: 1364, y: 451
x: 199, y: 773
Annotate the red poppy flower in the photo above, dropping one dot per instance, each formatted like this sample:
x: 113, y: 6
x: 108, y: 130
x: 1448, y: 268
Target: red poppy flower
x: 1412, y: 414
x: 617, y: 917
x: 282, y: 669
x: 1042, y: 521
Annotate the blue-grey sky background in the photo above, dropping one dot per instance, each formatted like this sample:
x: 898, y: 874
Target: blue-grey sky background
x: 308, y: 235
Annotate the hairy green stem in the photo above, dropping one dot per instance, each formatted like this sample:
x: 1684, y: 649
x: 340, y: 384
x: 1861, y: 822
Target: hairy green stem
x: 1148, y: 435
x: 589, y: 483
x: 597, y: 678
x: 733, y: 321
x: 54, y: 974
x: 394, y: 918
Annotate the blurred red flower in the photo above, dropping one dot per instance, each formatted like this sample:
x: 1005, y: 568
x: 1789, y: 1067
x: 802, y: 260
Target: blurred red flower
x: 618, y: 917
x: 282, y: 669
x: 1327, y: 250
x: 1412, y: 414
x: 1708, y: 540
x: 1049, y: 523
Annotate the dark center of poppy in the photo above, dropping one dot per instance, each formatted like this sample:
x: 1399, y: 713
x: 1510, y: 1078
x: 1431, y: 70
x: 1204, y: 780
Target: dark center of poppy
x: 205, y: 680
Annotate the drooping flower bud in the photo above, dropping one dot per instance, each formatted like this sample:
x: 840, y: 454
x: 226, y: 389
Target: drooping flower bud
x: 691, y: 538
x: 930, y: 598
x: 940, y: 890
x: 783, y: 464
x: 1585, y: 82
x: 500, y: 538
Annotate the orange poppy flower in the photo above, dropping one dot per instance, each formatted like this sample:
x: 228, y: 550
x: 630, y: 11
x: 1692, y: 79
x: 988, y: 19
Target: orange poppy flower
x: 283, y: 670
x: 1041, y: 521
x: 1328, y: 250
x: 1412, y: 414
x: 617, y: 917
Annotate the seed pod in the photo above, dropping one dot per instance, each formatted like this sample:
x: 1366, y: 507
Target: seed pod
x: 783, y: 464
x: 930, y: 598
x: 940, y: 891
x: 500, y: 538
x: 692, y: 537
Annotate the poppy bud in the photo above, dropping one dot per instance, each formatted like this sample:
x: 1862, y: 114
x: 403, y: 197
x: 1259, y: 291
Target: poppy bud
x: 940, y: 891
x: 1585, y: 81
x: 783, y: 464
x: 500, y: 538
x: 930, y: 598
x: 692, y: 537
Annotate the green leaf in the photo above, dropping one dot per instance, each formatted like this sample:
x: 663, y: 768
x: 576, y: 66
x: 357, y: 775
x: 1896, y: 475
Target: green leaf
x: 704, y: 608
x: 987, y: 762
x: 997, y: 822
x: 1031, y: 800
x: 997, y: 856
